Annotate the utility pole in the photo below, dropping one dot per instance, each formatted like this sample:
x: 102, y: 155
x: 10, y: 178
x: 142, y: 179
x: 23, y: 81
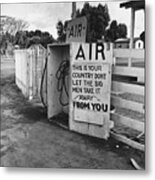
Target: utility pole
x: 73, y: 10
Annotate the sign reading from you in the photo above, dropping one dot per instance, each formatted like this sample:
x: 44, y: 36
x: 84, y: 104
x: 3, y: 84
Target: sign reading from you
x: 90, y: 86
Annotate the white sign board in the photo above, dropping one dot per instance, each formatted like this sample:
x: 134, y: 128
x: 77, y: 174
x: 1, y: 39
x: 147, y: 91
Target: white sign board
x: 90, y: 88
x: 76, y: 30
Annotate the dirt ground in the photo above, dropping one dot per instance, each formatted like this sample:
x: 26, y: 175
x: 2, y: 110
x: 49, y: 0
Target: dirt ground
x: 28, y: 139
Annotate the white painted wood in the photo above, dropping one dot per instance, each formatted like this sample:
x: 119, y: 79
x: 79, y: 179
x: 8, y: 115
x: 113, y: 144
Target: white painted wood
x: 129, y: 53
x: 132, y: 28
x: 30, y: 74
x: 91, y: 117
x: 22, y: 70
x: 126, y: 87
x: 56, y: 54
x: 97, y: 131
x: 128, y: 122
x: 79, y: 127
x: 28, y: 63
x: 119, y: 102
x: 84, y: 121
x: 129, y: 71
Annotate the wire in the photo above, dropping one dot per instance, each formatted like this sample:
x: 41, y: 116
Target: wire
x: 61, y: 75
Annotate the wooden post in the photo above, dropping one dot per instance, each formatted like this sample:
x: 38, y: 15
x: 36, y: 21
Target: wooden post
x: 73, y: 10
x: 132, y: 28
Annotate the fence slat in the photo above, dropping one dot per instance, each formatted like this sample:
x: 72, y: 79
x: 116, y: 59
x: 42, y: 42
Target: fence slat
x: 129, y: 53
x: 128, y: 122
x: 128, y: 141
x: 126, y: 87
x: 129, y: 71
x: 135, y: 106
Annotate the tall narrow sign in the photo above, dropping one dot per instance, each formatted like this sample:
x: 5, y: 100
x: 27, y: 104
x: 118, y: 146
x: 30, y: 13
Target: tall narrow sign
x: 90, y: 89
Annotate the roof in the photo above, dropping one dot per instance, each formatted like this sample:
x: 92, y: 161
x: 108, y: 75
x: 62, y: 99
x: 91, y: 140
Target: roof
x: 137, y: 5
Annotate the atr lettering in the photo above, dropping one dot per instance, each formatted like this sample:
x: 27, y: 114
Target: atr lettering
x: 98, y: 50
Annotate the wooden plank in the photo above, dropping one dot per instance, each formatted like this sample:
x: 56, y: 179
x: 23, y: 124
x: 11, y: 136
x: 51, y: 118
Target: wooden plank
x: 128, y: 141
x: 98, y: 131
x: 128, y: 122
x: 121, y: 61
x: 88, y: 117
x: 128, y: 71
x: 119, y: 102
x: 129, y: 53
x: 54, y: 60
x: 126, y: 87
x: 21, y: 61
x: 134, y: 62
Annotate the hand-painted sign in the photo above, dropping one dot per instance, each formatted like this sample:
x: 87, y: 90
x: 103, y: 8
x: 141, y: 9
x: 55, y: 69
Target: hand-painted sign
x: 76, y: 30
x: 90, y: 88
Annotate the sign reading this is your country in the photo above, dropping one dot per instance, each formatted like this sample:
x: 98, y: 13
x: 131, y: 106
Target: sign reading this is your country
x: 90, y: 83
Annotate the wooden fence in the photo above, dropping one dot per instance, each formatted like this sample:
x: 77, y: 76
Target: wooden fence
x: 128, y: 91
x: 29, y: 65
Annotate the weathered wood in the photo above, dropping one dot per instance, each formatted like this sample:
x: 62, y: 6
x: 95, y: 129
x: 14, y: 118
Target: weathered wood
x: 76, y: 126
x: 21, y: 71
x: 126, y: 87
x: 89, y: 117
x: 56, y: 55
x: 128, y: 141
x: 139, y: 63
x: 28, y: 65
x: 135, y: 106
x: 128, y: 122
x: 91, y: 121
x: 129, y: 71
x: 98, y: 131
x: 129, y: 53
x: 121, y: 61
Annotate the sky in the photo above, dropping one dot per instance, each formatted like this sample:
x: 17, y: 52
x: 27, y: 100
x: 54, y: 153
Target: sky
x: 44, y: 16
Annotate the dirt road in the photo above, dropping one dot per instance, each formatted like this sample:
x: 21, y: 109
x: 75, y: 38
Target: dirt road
x: 29, y: 140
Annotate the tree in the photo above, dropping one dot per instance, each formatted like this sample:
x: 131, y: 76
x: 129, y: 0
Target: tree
x: 13, y: 25
x: 46, y: 39
x: 97, y: 20
x: 21, y: 39
x: 37, y: 33
x: 27, y: 38
x: 115, y: 31
x: 5, y: 40
x: 122, y: 30
x: 14, y: 32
